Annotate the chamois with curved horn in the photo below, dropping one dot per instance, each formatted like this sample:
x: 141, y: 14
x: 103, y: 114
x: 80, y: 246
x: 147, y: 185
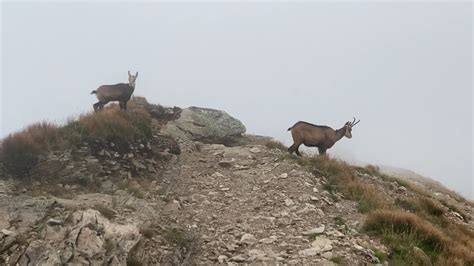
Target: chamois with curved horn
x: 120, y: 92
x: 322, y: 137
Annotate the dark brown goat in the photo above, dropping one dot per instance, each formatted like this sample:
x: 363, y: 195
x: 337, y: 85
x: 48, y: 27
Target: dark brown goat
x: 120, y: 92
x: 322, y: 137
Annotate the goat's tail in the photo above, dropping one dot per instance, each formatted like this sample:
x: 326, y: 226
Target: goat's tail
x: 94, y: 92
x: 290, y: 128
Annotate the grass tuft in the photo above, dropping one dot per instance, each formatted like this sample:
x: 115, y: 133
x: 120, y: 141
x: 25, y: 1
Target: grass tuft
x: 403, y: 231
x: 337, y: 259
x: 176, y: 237
x: 274, y: 144
x: 342, y: 177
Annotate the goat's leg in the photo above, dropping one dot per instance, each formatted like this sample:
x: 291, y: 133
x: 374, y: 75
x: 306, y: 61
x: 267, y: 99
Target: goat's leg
x: 97, y: 106
x: 294, y: 148
x: 125, y: 105
x: 291, y: 149
x: 322, y: 151
x: 121, y: 105
x: 297, y: 150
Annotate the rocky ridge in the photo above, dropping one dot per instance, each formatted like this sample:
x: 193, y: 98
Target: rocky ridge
x: 198, y: 192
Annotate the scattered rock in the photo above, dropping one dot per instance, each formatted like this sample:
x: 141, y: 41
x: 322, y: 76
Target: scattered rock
x: 268, y: 240
x: 138, y: 165
x: 313, y: 198
x: 238, y: 258
x: 284, y: 175
x: 315, y: 231
x: 327, y: 255
x: 222, y: 258
x: 401, y: 189
x: 335, y: 233
x: 289, y: 202
x: 248, y: 239
x: 255, y: 150
x: 225, y: 163
x: 217, y: 175
x: 54, y: 222
x: 319, y: 245
x: 173, y: 206
x: 7, y: 232
x: 322, y: 243
x: 257, y: 255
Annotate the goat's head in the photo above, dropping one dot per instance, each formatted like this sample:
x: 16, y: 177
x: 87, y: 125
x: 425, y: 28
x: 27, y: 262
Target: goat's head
x: 348, y: 127
x: 131, y: 79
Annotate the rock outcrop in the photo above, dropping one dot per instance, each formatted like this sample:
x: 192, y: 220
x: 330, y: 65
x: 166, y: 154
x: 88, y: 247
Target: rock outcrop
x: 205, y: 125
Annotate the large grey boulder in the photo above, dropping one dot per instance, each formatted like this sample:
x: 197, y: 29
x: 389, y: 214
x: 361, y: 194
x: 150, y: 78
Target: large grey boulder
x: 205, y: 125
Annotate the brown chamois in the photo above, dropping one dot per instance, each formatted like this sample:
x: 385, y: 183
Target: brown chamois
x: 120, y: 92
x: 322, y: 137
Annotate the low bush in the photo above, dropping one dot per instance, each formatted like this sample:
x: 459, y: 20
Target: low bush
x: 112, y: 124
x: 20, y: 151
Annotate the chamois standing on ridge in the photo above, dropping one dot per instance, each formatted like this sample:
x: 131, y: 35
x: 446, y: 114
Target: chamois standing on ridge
x: 120, y: 92
x: 322, y: 137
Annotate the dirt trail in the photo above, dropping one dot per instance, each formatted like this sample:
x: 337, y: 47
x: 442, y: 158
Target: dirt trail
x: 248, y: 205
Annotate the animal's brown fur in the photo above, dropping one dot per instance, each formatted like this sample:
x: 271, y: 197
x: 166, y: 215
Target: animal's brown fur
x: 119, y: 92
x: 322, y: 137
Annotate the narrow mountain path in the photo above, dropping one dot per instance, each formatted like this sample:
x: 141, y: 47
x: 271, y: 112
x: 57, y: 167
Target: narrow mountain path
x: 248, y: 205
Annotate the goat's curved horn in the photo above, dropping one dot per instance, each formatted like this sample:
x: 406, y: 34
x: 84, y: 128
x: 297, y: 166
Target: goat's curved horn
x: 353, y: 124
x: 136, y: 75
x: 129, y: 73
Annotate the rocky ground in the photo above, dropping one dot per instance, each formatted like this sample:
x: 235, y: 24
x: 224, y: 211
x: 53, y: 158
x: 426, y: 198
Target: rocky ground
x: 184, y: 198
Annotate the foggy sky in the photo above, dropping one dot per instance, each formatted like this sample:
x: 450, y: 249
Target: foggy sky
x: 404, y: 69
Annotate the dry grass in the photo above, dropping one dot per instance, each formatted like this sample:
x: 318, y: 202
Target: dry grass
x: 427, y: 206
x: 427, y: 228
x: 374, y: 170
x: 342, y: 177
x: 20, y: 151
x: 176, y: 237
x: 112, y: 124
x: 274, y: 144
x: 403, y: 231
x: 419, y: 184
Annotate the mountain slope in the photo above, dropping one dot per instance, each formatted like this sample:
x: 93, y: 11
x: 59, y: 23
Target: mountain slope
x: 185, y: 186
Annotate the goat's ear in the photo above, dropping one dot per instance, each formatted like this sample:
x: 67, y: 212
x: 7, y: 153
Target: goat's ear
x: 136, y: 75
x: 129, y: 73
